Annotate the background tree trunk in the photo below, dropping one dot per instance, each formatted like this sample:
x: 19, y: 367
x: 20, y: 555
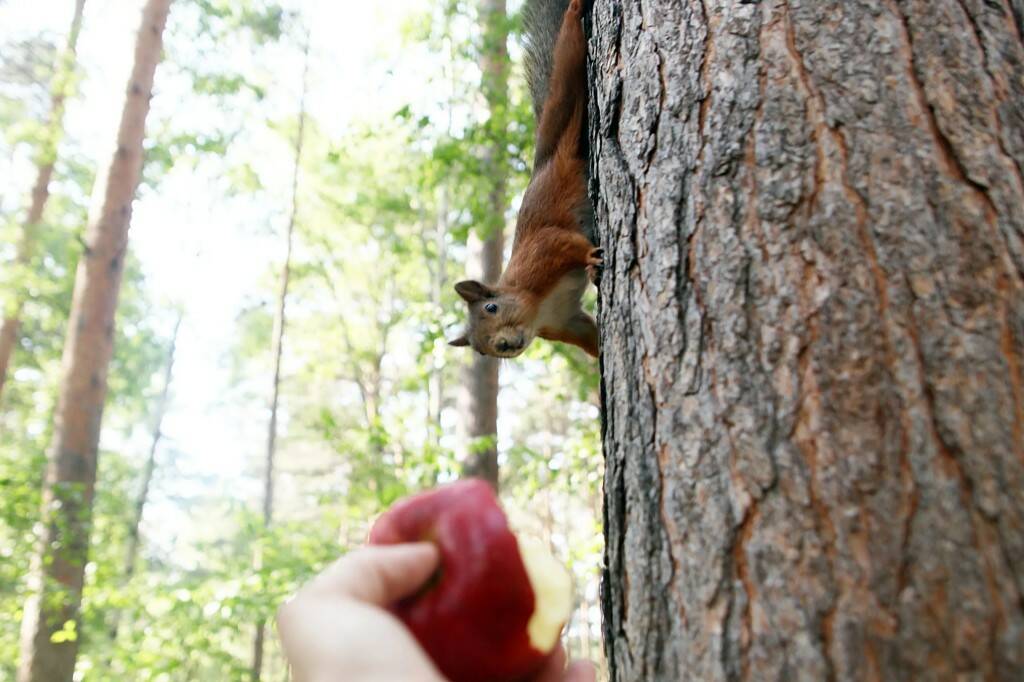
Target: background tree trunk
x: 477, y: 428
x: 149, y: 469
x: 478, y: 398
x: 813, y: 333
x: 46, y: 157
x: 438, y: 279
x: 131, y: 555
x: 277, y: 352
x: 59, y: 566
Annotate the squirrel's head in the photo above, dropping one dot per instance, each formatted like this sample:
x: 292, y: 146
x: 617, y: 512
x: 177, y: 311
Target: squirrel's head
x: 498, y: 321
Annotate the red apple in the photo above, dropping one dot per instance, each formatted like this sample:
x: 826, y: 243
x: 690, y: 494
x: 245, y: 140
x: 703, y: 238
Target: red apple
x: 496, y: 608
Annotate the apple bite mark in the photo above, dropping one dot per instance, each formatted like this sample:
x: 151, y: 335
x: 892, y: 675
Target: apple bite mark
x: 552, y: 594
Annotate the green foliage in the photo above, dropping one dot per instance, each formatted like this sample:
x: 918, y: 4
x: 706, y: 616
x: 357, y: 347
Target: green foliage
x: 26, y: 69
x: 368, y: 386
x: 175, y: 147
x: 266, y: 21
x: 30, y: 394
x: 468, y: 157
x: 189, y: 622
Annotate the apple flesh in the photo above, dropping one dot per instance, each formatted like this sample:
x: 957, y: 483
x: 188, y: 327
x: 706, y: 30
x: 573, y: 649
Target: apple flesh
x: 497, y: 605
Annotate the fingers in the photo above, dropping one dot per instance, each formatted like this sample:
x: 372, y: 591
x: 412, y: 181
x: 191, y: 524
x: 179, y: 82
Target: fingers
x: 580, y: 671
x: 554, y: 669
x: 381, y: 575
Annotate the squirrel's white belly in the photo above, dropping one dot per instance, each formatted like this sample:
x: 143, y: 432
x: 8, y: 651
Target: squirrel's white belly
x: 563, y: 302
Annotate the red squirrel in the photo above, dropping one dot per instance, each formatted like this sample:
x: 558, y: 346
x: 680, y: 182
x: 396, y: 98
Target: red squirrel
x: 540, y: 290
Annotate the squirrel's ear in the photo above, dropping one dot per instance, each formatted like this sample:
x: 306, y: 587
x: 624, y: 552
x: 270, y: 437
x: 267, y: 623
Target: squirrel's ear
x: 472, y: 291
x: 460, y: 342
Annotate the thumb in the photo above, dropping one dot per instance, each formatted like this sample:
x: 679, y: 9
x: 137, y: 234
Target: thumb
x: 580, y: 671
x: 381, y: 575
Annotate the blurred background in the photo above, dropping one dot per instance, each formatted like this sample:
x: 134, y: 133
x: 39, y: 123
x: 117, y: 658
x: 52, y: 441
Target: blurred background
x: 404, y: 169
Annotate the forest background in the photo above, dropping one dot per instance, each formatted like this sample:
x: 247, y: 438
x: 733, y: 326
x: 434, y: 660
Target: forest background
x: 397, y: 182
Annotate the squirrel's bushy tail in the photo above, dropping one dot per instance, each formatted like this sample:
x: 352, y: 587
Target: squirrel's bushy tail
x: 541, y: 21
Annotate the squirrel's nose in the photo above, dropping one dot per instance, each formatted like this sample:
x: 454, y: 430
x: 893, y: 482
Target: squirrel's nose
x: 502, y: 346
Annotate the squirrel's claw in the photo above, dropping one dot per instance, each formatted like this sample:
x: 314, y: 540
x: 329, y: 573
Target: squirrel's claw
x: 595, y: 265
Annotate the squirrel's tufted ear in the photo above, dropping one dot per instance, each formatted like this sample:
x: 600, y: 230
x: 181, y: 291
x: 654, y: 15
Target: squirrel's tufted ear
x: 472, y: 291
x: 460, y: 342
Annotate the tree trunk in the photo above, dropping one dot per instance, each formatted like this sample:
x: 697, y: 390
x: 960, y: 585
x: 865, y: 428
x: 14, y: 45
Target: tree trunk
x: 438, y: 279
x: 45, y: 159
x: 477, y: 429
x: 134, y: 530
x: 478, y: 398
x: 278, y: 348
x: 59, y: 565
x: 812, y: 319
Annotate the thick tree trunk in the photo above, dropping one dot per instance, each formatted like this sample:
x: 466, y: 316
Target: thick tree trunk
x: 478, y: 399
x: 46, y: 157
x: 812, y: 319
x: 58, y: 568
x: 278, y: 351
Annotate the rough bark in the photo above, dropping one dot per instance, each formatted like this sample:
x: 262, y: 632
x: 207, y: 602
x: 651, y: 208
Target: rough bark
x: 59, y: 564
x: 45, y: 159
x: 478, y: 397
x: 812, y: 321
x: 277, y: 352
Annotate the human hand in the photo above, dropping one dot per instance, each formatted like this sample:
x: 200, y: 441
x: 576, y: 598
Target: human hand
x: 338, y: 627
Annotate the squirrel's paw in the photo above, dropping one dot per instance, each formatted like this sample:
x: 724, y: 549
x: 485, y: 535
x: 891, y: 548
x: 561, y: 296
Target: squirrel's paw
x: 595, y: 265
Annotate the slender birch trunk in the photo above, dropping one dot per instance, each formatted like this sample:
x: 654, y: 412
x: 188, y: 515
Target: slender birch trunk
x: 277, y: 351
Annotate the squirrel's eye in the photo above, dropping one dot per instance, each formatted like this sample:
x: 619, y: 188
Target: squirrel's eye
x: 491, y: 308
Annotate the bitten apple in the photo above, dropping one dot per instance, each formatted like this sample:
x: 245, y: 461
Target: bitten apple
x: 495, y: 609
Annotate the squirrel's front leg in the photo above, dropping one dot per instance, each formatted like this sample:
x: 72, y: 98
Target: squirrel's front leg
x: 595, y: 266
x: 579, y: 330
x: 540, y: 259
x: 558, y: 251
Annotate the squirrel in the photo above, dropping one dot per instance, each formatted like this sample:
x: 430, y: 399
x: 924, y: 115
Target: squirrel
x: 540, y: 290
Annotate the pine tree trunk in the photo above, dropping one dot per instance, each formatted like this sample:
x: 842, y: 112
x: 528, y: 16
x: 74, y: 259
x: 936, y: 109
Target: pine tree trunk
x: 64, y: 72
x: 812, y: 322
x: 278, y: 351
x: 478, y: 399
x: 58, y: 568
